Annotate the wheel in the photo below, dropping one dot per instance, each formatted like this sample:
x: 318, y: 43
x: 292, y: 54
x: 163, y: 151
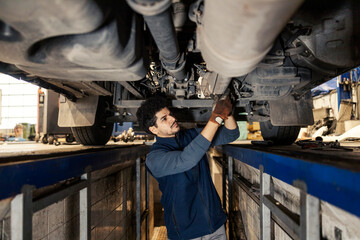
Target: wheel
x: 100, y: 132
x: 44, y: 139
x: 69, y: 138
x: 51, y: 139
x: 37, y: 137
x: 281, y: 135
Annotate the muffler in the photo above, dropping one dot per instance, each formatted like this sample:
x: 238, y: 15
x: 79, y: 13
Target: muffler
x: 235, y: 35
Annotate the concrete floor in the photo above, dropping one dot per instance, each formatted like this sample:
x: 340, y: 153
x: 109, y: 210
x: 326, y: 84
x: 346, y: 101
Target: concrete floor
x: 11, y: 149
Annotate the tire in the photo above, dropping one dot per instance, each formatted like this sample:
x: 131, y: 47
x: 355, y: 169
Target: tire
x: 37, y: 137
x: 51, y: 139
x: 69, y: 138
x: 100, y: 132
x: 279, y: 135
x: 44, y: 139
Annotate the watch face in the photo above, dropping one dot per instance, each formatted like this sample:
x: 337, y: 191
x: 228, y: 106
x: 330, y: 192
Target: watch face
x: 219, y: 120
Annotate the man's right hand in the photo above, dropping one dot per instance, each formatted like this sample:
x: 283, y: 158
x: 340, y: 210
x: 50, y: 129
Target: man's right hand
x: 222, y: 110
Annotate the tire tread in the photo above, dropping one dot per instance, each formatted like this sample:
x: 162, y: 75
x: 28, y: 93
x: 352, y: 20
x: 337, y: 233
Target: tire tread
x: 99, y: 133
x: 280, y: 135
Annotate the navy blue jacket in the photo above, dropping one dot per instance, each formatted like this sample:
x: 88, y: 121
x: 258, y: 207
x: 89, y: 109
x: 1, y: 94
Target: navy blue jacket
x: 192, y: 207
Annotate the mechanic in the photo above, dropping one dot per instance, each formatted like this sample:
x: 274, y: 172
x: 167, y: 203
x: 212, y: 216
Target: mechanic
x: 177, y: 160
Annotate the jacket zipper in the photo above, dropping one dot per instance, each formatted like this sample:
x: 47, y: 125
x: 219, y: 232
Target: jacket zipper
x: 176, y: 226
x: 202, y: 199
x: 205, y: 208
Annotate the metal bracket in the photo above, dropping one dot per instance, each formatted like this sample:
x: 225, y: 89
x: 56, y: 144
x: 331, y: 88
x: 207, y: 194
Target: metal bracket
x: 309, y: 225
x: 138, y: 198
x: 265, y: 213
x: 23, y: 206
x: 230, y: 190
x: 85, y: 208
x: 21, y: 215
x: 309, y: 213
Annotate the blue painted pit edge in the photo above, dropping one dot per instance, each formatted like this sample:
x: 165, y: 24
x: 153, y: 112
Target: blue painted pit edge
x: 41, y: 173
x: 340, y: 187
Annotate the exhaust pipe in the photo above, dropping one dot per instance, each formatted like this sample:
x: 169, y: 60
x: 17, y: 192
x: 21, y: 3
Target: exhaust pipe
x: 158, y: 18
x: 235, y: 35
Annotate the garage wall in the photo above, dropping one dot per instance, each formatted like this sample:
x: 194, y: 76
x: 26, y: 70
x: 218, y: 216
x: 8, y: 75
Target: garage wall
x: 19, y: 102
x: 327, y: 101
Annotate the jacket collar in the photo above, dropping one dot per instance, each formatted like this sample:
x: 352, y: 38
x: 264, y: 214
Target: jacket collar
x: 173, y: 141
x: 164, y: 139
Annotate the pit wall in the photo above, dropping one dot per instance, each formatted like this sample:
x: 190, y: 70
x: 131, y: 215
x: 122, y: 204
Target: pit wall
x: 113, y: 212
x: 335, y: 223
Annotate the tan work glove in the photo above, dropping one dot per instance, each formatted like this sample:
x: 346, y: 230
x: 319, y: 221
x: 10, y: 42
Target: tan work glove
x: 222, y: 110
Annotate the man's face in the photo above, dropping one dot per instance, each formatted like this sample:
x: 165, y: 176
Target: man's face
x: 166, y: 124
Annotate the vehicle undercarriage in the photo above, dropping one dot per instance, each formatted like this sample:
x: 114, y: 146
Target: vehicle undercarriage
x: 106, y: 57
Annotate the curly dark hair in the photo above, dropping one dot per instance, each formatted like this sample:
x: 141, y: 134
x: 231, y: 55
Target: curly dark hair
x: 146, y: 112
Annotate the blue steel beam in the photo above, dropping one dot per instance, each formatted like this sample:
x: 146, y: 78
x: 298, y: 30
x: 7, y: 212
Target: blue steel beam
x: 48, y: 171
x: 340, y: 187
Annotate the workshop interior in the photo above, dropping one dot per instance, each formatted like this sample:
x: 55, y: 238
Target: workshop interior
x: 73, y: 74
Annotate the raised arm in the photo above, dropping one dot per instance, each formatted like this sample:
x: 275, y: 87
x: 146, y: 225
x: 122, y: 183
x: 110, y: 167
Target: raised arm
x: 227, y: 133
x: 162, y: 163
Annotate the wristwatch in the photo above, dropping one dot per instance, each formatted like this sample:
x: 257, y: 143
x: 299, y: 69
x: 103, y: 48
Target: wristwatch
x: 219, y: 120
